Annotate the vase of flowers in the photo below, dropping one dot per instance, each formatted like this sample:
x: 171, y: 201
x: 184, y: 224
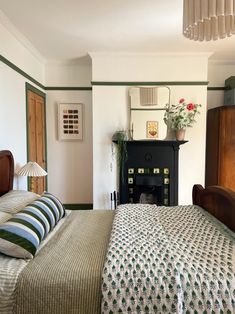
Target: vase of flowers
x: 181, y: 116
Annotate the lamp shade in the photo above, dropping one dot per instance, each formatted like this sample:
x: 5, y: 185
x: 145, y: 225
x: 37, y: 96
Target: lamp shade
x: 208, y: 19
x: 32, y: 169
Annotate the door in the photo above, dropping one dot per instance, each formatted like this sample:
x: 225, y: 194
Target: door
x: 36, y: 134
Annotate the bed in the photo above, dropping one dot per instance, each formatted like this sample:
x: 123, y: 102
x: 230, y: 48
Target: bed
x: 137, y: 259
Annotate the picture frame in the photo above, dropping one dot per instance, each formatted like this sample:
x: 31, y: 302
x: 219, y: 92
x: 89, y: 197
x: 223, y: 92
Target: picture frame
x: 152, y: 129
x: 70, y: 121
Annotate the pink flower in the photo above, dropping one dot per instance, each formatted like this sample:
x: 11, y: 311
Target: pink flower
x: 181, y: 100
x: 190, y: 106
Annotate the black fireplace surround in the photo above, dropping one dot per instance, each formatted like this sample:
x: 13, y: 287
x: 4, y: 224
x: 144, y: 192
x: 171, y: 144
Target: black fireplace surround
x: 150, y: 173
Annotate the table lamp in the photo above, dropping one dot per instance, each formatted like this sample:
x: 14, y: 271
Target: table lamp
x: 32, y: 169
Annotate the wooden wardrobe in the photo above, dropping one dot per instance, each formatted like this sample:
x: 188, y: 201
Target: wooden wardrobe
x: 220, y: 147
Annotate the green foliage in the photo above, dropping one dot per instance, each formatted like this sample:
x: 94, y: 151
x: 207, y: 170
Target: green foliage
x: 181, y: 115
x: 121, y: 137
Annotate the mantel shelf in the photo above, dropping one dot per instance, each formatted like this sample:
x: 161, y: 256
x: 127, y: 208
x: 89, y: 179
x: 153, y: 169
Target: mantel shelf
x: 157, y: 142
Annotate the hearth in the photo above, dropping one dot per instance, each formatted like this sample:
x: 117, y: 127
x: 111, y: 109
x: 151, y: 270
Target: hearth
x: 151, y: 173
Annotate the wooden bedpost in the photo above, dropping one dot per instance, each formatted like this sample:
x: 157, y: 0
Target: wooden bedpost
x: 197, y: 189
x: 6, y: 171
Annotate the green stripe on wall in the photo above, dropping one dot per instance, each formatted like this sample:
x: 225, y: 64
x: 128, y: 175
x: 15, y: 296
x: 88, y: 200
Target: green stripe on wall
x: 35, y: 90
x: 18, y: 70
x: 78, y: 206
x: 217, y: 88
x: 31, y: 79
x: 67, y: 88
x: 95, y: 83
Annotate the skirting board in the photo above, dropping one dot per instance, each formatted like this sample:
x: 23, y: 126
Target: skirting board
x: 78, y: 206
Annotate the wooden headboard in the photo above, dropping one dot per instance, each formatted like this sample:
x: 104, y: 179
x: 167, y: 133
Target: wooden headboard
x: 6, y: 171
x: 218, y: 201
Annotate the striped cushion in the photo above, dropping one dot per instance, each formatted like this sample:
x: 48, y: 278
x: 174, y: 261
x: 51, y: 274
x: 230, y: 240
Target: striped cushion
x: 21, y: 235
x: 56, y: 206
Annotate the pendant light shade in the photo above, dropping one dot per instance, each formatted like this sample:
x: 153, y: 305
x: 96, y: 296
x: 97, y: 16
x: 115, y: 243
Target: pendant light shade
x: 208, y: 19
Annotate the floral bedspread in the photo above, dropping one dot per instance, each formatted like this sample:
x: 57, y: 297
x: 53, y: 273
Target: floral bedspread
x: 168, y: 260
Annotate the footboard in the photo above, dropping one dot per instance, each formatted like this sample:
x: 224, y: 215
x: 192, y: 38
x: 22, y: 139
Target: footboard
x: 218, y: 201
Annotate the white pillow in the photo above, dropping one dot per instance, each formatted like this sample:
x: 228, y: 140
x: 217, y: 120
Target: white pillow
x: 4, y: 217
x: 15, y: 200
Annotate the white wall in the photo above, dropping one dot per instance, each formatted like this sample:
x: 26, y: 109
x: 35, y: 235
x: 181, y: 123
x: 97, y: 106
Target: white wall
x: 69, y: 162
x: 218, y: 72
x: 16, y: 52
x: 110, y: 113
x: 74, y: 73
x: 12, y: 97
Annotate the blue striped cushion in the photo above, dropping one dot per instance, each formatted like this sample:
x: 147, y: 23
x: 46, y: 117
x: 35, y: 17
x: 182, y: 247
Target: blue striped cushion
x: 55, y: 204
x: 21, y: 235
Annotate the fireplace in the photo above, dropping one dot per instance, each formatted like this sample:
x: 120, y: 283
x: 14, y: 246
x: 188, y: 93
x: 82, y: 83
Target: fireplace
x: 147, y: 189
x: 151, y: 173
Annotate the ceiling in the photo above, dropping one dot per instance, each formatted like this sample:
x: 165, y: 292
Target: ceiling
x: 63, y: 30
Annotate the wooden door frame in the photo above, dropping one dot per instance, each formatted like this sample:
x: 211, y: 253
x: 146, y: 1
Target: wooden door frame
x: 29, y: 87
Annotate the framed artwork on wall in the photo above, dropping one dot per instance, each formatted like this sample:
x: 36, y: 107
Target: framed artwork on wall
x: 152, y: 129
x: 70, y: 122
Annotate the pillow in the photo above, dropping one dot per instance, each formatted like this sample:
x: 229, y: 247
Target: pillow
x: 4, y: 217
x: 22, y: 234
x: 54, y: 204
x: 15, y: 200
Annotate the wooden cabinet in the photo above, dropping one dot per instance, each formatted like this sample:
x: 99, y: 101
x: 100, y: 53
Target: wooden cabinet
x: 220, y: 147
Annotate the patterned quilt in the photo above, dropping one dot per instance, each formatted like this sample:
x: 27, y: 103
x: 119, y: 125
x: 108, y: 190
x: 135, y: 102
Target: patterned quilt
x: 168, y: 260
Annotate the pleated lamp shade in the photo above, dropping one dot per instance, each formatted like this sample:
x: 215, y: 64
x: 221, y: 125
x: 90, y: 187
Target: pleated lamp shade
x: 208, y: 19
x: 32, y: 169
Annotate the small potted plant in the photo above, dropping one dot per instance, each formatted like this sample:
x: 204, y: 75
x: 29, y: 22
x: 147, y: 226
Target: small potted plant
x: 181, y: 116
x: 120, y: 138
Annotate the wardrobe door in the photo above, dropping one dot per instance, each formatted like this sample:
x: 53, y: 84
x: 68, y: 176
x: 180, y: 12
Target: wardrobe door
x: 212, y: 147
x: 227, y: 148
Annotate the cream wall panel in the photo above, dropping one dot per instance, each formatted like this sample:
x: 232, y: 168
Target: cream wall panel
x: 13, y: 50
x: 110, y: 113
x: 68, y: 75
x: 69, y: 162
x: 146, y: 67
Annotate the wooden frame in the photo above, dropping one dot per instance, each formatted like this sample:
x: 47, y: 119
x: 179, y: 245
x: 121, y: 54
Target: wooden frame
x: 6, y: 171
x: 70, y: 121
x: 152, y: 129
x: 42, y: 181
x: 218, y: 201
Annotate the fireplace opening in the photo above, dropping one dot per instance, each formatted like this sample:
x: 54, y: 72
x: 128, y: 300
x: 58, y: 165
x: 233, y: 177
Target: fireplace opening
x: 148, y: 189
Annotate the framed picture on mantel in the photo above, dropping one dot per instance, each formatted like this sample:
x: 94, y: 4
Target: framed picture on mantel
x: 70, y: 122
x: 152, y: 129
